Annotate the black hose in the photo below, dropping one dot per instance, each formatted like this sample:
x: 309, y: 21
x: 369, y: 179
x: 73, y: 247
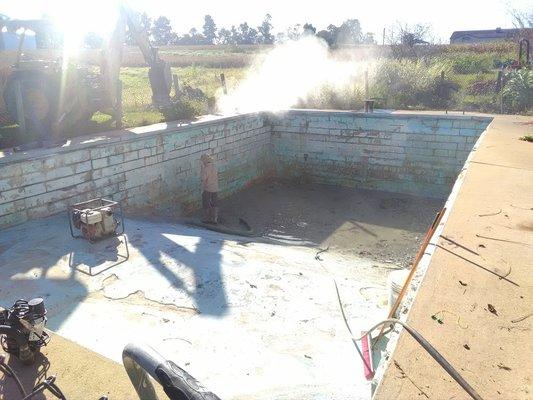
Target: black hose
x: 223, y: 229
x: 417, y: 336
x: 8, y: 371
x: 13, y: 333
x: 433, y: 352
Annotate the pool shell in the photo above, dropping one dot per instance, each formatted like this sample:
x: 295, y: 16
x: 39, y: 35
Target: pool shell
x: 157, y: 167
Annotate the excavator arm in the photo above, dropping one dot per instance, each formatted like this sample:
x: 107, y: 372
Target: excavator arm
x: 50, y: 99
x: 159, y: 70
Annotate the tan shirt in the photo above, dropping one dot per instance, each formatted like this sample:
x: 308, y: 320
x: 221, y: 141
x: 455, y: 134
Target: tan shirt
x: 209, y: 177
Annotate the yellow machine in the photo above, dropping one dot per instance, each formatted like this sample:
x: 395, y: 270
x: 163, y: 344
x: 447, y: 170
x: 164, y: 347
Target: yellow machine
x: 54, y: 96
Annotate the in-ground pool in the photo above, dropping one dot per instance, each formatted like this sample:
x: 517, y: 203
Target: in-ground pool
x: 248, y: 318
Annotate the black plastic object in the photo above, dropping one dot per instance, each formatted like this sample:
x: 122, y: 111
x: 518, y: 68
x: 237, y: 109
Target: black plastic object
x: 36, y: 308
x: 142, y: 360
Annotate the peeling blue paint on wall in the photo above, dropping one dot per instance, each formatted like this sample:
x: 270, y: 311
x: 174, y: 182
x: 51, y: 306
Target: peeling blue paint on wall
x: 415, y: 154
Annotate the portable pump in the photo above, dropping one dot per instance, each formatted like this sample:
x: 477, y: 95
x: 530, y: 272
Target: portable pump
x: 22, y: 329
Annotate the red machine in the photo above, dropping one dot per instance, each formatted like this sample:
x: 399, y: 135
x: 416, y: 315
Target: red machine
x: 96, y: 219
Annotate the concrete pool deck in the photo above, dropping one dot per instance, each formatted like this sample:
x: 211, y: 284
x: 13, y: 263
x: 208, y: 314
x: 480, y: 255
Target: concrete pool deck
x: 491, y: 225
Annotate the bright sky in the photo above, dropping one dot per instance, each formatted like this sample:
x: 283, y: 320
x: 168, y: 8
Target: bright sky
x: 445, y: 16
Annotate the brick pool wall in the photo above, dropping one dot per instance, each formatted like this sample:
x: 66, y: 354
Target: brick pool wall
x: 155, y: 169
x: 415, y: 154
x: 160, y: 168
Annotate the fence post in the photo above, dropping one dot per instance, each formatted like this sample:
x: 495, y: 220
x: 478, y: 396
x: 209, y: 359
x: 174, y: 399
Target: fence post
x: 366, y: 84
x: 118, y: 110
x: 223, y: 81
x: 175, y: 82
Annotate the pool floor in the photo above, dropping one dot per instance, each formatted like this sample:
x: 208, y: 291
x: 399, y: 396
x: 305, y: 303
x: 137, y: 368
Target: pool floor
x: 385, y: 227
x: 231, y: 310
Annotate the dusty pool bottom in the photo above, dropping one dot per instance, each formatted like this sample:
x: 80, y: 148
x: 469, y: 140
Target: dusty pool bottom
x: 384, y: 227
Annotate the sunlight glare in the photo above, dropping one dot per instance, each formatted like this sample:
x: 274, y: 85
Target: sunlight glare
x: 75, y: 19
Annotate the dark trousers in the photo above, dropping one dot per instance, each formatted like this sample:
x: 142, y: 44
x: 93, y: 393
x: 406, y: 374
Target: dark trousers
x: 209, y: 200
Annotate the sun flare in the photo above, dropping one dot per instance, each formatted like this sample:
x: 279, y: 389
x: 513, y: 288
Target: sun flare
x: 76, y: 19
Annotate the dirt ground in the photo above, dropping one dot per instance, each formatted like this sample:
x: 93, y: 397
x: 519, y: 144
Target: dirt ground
x: 382, y: 226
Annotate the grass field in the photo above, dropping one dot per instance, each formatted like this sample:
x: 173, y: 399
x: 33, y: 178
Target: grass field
x: 137, y: 94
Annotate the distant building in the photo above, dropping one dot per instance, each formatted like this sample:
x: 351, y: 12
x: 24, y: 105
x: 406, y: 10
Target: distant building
x: 490, y: 35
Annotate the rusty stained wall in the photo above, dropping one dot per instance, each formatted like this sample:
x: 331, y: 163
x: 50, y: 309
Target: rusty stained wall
x: 414, y: 154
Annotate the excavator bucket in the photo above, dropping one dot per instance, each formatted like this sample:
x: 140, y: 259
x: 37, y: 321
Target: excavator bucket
x: 161, y: 82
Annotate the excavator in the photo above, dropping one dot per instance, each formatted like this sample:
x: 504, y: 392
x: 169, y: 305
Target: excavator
x: 50, y: 97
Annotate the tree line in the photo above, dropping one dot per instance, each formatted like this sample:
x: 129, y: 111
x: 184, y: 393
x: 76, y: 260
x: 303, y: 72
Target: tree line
x: 161, y: 32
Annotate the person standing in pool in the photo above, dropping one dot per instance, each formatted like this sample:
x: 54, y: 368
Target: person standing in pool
x: 209, y: 175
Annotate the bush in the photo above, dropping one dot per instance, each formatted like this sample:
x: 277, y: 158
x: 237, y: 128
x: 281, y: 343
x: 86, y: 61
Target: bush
x: 471, y: 63
x: 518, y: 91
x: 481, y: 87
x: 407, y: 84
x: 329, y: 97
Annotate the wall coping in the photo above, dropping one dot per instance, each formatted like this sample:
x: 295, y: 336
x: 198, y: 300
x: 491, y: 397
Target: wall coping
x: 120, y: 136
x: 392, y: 114
x: 143, y: 132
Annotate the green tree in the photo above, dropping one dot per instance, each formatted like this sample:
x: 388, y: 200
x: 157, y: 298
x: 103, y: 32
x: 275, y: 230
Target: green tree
x: 265, y: 31
x: 329, y: 34
x: 145, y: 23
x: 236, y: 37
x: 224, y: 36
x: 192, y: 38
x: 309, y: 29
x: 349, y: 32
x: 409, y: 35
x: 368, y: 38
x: 162, y: 31
x: 209, y: 29
x: 294, y: 32
x: 248, y: 34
